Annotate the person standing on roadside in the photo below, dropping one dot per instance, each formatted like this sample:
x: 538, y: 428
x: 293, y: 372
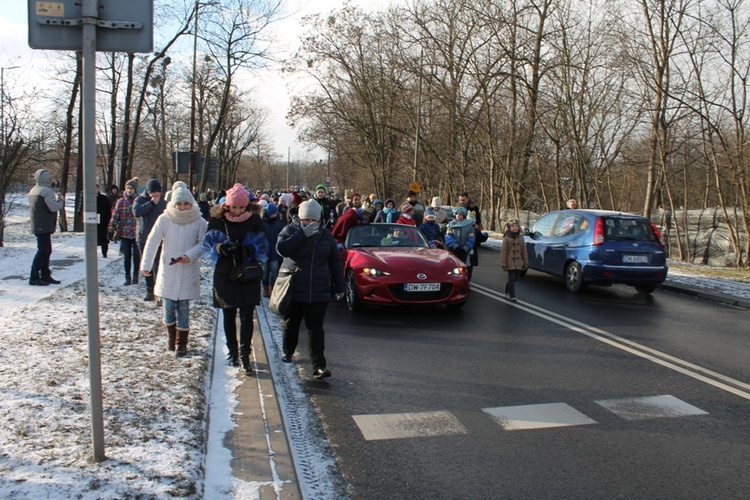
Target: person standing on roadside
x: 272, y: 226
x: 311, y: 249
x: 122, y: 227
x: 419, y: 208
x: 179, y: 232
x: 43, y: 207
x: 479, y: 236
x: 113, y: 195
x: 235, y: 233
x: 147, y: 208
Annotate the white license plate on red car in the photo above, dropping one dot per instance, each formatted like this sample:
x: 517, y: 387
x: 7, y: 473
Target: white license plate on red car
x: 635, y: 259
x: 421, y: 287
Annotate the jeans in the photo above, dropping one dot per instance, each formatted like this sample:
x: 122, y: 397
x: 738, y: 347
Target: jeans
x: 270, y: 272
x: 176, y: 311
x: 313, y: 314
x: 150, y: 280
x: 246, y: 329
x: 40, y: 264
x: 132, y: 254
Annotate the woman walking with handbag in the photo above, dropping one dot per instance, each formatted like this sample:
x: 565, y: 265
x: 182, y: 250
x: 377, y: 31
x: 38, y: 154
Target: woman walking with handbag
x: 310, y: 250
x: 236, y: 239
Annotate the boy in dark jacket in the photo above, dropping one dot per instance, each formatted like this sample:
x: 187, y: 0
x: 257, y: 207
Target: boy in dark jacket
x: 43, y: 208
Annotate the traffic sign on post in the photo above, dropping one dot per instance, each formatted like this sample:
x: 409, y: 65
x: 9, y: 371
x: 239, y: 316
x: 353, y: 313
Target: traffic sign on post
x: 122, y: 26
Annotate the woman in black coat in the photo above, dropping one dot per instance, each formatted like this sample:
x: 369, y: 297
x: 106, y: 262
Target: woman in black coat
x: 307, y: 246
x: 104, y: 212
x: 235, y: 233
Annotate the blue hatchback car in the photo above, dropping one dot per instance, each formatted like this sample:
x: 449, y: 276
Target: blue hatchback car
x: 598, y: 247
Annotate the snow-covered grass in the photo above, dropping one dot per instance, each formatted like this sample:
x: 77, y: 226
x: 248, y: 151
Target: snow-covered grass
x: 155, y: 404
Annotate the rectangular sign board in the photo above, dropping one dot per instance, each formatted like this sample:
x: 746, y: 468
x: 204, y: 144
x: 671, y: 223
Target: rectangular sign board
x: 123, y: 25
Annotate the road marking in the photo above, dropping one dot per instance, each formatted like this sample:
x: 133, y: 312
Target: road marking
x: 537, y: 416
x: 408, y: 425
x: 650, y: 407
x: 696, y: 372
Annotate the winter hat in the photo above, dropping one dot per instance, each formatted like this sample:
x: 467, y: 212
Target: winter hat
x: 407, y: 209
x: 153, y: 186
x: 462, y: 211
x: 132, y: 183
x: 375, y: 203
x: 271, y: 209
x: 262, y: 202
x: 296, y: 198
x: 203, y: 197
x: 410, y: 193
x: 429, y: 214
x: 178, y: 184
x: 182, y: 194
x: 310, y: 210
x: 238, y: 196
x: 320, y: 186
x: 437, y: 202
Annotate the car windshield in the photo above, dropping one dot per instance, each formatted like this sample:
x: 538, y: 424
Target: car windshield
x: 628, y: 229
x: 385, y: 235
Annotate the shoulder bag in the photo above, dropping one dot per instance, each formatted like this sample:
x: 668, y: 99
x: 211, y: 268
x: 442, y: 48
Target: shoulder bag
x: 283, y: 289
x: 246, y: 271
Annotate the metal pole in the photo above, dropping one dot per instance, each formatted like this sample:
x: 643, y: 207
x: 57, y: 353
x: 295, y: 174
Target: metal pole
x: 191, y: 160
x: 90, y: 17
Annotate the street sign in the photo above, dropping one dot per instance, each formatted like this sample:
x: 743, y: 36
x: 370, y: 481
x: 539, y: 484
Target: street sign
x: 122, y: 26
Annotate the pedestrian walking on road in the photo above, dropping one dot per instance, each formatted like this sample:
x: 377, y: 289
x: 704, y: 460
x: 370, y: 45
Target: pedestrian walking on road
x: 147, y: 208
x: 513, y: 256
x: 122, y: 227
x: 310, y: 248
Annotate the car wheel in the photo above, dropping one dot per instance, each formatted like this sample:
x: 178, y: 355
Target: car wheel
x: 574, y: 277
x: 645, y: 289
x: 352, y: 300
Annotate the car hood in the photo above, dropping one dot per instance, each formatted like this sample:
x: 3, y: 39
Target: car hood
x: 409, y: 259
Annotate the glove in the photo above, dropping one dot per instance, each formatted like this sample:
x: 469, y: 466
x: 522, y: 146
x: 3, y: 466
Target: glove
x: 228, y: 248
x: 311, y: 229
x: 340, y: 296
x: 250, y: 250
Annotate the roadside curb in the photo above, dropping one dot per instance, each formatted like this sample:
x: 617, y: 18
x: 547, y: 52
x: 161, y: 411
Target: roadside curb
x: 706, y: 295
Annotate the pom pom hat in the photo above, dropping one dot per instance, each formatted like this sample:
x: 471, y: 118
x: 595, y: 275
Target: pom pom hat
x: 237, y: 196
x: 407, y: 209
x: 182, y: 194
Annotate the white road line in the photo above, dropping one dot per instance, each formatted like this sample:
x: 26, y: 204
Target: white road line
x: 696, y: 372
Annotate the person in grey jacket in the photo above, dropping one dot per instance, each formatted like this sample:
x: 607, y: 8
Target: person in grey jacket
x: 43, y: 207
x: 147, y: 208
x: 309, y: 247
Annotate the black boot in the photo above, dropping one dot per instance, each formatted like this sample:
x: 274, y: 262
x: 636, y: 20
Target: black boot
x: 127, y: 281
x: 233, y: 357
x: 246, y: 366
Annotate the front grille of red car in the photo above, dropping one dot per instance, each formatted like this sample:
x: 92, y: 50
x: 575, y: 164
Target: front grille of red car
x: 399, y: 294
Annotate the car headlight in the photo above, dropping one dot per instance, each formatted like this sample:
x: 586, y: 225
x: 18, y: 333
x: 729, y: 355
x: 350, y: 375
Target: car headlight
x: 374, y: 273
x: 457, y: 271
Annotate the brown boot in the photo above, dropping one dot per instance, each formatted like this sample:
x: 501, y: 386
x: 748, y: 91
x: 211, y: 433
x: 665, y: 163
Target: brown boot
x: 171, y: 336
x: 266, y: 291
x: 182, y: 339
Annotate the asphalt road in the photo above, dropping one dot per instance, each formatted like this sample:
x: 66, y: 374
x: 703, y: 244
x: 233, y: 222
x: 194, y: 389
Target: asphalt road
x: 604, y: 394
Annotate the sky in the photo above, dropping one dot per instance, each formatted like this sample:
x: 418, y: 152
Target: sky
x: 272, y: 89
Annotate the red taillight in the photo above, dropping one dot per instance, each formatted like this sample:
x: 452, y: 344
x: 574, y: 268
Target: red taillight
x: 657, y: 233
x: 599, y: 231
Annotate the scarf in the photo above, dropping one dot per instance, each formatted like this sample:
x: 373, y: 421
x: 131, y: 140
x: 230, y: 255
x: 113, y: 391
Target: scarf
x: 240, y: 218
x: 182, y: 216
x: 389, y: 214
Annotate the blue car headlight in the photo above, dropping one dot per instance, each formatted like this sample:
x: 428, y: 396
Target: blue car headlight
x: 374, y: 273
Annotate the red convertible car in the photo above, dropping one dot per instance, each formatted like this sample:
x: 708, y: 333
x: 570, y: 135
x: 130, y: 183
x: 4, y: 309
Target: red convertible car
x: 393, y: 264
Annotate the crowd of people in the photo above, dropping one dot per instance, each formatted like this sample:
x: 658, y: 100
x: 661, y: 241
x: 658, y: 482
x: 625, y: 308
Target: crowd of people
x: 162, y: 237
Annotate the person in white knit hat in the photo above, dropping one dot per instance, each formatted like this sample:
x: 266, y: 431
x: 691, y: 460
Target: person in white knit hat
x: 440, y: 214
x: 310, y: 248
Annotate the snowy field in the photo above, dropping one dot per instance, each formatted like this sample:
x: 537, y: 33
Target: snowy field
x: 155, y: 405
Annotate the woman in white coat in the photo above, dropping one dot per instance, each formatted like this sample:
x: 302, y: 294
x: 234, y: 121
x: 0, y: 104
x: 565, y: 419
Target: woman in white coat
x: 180, y: 231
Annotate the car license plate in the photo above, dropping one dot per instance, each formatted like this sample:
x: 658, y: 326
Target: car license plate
x: 421, y: 287
x: 635, y: 259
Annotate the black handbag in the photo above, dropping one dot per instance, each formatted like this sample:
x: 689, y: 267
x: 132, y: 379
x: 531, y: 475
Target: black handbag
x: 246, y: 270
